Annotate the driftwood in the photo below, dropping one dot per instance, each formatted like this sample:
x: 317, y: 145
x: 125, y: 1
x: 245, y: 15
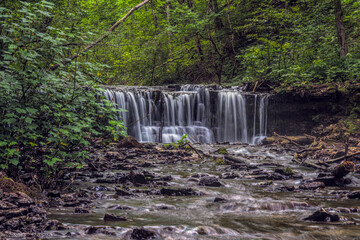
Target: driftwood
x: 87, y: 48
x: 308, y: 164
x: 197, y: 152
x: 339, y: 159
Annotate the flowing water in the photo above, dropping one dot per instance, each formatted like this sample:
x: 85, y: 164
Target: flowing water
x: 254, y: 209
x: 206, y: 115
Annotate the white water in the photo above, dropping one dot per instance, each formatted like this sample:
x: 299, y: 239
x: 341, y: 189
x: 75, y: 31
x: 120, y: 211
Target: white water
x: 218, y: 116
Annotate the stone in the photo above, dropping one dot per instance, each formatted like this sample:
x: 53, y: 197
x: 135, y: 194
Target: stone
x: 81, y: 210
x: 178, y: 192
x: 209, y: 182
x: 99, y: 230
x: 54, y: 194
x: 4, y: 205
x: 312, y: 185
x: 54, y: 225
x: 129, y: 142
x: 142, y: 234
x: 354, y: 195
x: 112, y: 217
x: 121, y: 192
x: 323, y: 216
x: 221, y: 200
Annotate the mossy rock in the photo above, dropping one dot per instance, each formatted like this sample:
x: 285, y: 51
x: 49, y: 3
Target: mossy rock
x: 8, y: 185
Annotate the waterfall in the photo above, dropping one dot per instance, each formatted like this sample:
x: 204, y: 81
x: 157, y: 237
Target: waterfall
x: 207, y: 116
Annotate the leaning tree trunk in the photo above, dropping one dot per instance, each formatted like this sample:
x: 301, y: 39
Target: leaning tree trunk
x: 340, y: 28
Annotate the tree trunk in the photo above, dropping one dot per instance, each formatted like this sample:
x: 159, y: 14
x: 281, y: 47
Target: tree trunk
x: 340, y: 28
x: 198, y: 47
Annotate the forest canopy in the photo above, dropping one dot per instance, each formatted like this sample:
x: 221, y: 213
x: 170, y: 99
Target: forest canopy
x: 294, y: 42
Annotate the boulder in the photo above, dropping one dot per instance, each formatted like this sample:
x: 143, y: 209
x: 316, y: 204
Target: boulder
x: 209, y: 182
x: 142, y: 234
x: 354, y: 195
x: 129, y: 142
x: 323, y: 216
x: 112, y: 217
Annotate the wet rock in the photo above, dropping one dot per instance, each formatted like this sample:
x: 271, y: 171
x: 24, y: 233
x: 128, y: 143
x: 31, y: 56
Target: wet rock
x: 239, y: 167
x: 354, y: 195
x: 19, y: 198
x: 129, y: 142
x: 4, y: 205
x: 54, y: 225
x: 199, y: 175
x: 323, y: 216
x: 209, y: 182
x: 142, y: 234
x: 125, y: 167
x: 54, y: 194
x: 13, y: 213
x: 81, y: 210
x: 106, y: 180
x: 114, y: 155
x: 312, y: 185
x: 229, y: 175
x: 332, y: 181
x: 100, y: 230
x: 165, y: 178
x: 111, y: 217
x: 101, y: 188
x: 71, y: 235
x: 121, y: 192
x: 146, y: 165
x: 138, y: 179
x: 179, y: 192
x: 122, y: 207
x: 286, y: 189
x: 164, y: 207
x: 221, y: 200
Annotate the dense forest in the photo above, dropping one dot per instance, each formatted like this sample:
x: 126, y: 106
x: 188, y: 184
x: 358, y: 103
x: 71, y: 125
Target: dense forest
x: 216, y: 41
x: 265, y: 131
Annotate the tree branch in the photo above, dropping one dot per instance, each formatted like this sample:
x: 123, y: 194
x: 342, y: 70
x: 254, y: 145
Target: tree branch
x: 102, y: 37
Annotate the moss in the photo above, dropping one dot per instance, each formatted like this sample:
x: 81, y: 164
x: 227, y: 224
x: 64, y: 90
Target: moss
x: 222, y: 151
x: 343, y: 90
x: 220, y: 161
x: 288, y: 170
x: 8, y: 185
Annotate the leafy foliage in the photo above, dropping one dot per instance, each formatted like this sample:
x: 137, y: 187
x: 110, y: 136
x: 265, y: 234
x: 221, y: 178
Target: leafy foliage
x: 282, y: 42
x: 46, y: 117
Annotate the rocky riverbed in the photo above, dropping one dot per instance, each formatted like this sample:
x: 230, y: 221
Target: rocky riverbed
x: 151, y: 192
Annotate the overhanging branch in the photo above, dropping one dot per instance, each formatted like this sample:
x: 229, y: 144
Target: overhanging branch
x: 87, y: 48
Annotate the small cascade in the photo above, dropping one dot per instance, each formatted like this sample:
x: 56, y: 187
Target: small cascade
x: 207, y: 116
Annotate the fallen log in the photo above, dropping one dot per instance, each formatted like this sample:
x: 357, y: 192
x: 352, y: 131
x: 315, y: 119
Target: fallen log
x: 339, y: 159
x: 308, y: 164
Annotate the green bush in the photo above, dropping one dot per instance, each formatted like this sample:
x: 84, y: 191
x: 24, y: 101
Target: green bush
x: 46, y: 117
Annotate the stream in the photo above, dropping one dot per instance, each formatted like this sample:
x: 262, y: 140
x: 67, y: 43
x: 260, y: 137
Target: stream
x: 257, y: 199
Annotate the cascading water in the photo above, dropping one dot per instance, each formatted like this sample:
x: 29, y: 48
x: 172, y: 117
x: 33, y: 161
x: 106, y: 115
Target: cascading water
x: 205, y: 115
